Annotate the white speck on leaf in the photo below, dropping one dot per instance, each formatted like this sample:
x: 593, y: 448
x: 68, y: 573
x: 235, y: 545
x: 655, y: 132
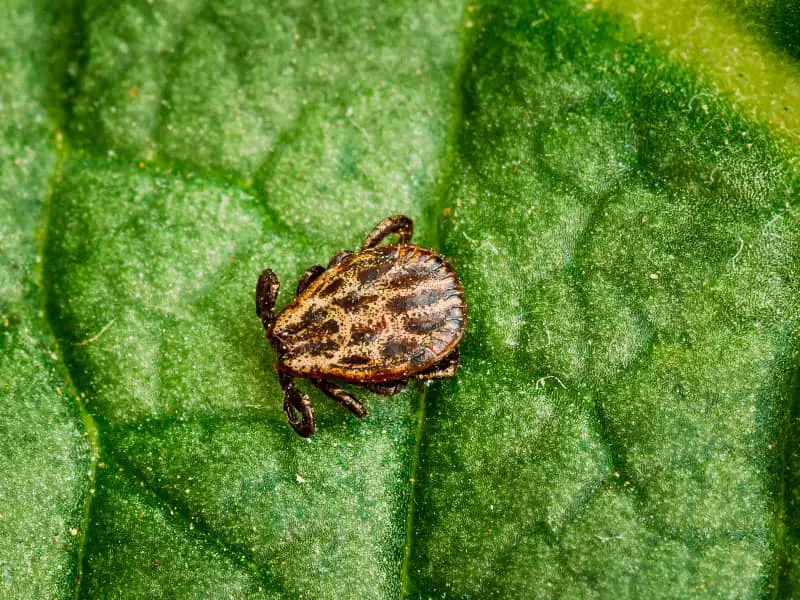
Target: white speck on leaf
x: 738, y: 252
x: 97, y: 335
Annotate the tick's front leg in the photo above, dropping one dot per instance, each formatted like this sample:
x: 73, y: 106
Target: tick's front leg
x: 297, y: 407
x: 266, y: 293
x: 310, y: 275
x: 399, y: 224
x: 342, y: 396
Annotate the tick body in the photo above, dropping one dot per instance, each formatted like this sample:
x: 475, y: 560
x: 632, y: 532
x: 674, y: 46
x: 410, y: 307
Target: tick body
x: 374, y: 318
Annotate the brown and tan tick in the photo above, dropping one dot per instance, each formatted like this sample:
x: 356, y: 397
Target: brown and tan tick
x: 374, y: 319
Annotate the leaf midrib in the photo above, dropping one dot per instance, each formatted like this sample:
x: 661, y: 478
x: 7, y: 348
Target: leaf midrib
x: 92, y: 432
x: 435, y: 211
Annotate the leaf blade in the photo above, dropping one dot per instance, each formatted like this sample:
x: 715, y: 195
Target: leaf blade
x: 600, y: 314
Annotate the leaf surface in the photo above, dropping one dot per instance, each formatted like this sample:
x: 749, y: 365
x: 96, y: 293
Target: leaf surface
x: 624, y: 423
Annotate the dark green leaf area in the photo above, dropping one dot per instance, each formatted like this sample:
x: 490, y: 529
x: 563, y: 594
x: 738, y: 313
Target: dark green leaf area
x: 322, y: 517
x: 775, y: 20
x: 789, y: 517
x: 146, y: 271
x: 619, y: 423
x: 44, y: 456
x: 44, y: 461
x: 140, y: 547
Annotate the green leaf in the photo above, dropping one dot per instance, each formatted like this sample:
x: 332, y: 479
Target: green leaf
x: 44, y: 449
x: 632, y: 256
x: 624, y: 423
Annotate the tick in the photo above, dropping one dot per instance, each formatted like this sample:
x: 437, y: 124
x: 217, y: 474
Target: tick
x: 374, y: 319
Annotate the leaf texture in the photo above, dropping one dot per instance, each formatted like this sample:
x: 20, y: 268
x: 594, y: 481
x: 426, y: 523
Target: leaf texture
x: 622, y: 215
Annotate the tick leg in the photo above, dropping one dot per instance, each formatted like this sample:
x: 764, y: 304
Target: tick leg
x: 387, y: 388
x: 399, y: 224
x: 444, y: 369
x: 310, y: 275
x: 266, y: 293
x: 339, y: 257
x: 342, y: 396
x: 297, y: 407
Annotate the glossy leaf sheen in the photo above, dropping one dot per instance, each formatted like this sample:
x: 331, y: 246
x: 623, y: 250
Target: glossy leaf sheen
x: 624, y: 423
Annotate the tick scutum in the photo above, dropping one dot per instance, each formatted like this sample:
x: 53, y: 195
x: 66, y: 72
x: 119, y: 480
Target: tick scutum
x: 410, y: 291
x: 355, y: 301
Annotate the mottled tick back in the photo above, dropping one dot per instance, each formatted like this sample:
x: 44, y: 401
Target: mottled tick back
x: 373, y: 318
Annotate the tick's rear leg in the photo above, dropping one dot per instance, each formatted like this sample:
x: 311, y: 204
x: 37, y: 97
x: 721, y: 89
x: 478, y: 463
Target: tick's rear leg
x: 399, y: 224
x: 342, y: 396
x: 266, y: 294
x: 297, y: 407
x: 444, y: 369
x: 310, y: 275
x: 387, y: 388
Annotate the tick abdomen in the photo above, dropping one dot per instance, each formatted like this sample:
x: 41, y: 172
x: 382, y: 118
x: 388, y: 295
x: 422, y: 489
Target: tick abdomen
x: 383, y: 314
